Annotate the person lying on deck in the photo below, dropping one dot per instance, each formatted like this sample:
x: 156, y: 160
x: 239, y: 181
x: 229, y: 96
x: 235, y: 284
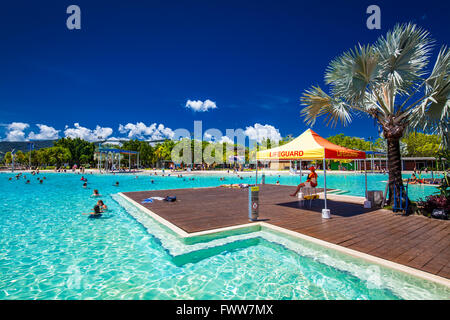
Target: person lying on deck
x: 311, y: 181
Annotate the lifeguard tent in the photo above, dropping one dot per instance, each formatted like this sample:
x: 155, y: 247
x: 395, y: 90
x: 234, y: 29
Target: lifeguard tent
x: 310, y: 146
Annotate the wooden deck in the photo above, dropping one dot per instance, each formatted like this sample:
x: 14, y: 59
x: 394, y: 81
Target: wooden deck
x: 414, y: 241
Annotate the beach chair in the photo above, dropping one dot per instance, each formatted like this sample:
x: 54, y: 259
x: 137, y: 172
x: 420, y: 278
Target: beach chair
x: 308, y: 194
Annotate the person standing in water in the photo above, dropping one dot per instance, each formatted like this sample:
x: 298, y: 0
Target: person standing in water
x: 97, y: 211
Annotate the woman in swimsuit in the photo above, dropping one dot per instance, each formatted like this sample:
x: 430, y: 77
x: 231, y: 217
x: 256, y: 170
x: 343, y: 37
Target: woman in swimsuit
x: 310, y: 182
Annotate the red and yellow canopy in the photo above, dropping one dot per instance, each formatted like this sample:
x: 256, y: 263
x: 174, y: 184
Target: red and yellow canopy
x: 309, y: 146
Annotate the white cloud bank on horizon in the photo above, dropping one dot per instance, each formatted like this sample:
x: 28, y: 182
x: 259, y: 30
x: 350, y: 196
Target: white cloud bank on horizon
x: 45, y: 133
x: 87, y: 134
x: 141, y: 131
x: 200, y: 106
x: 259, y: 132
x: 15, y: 131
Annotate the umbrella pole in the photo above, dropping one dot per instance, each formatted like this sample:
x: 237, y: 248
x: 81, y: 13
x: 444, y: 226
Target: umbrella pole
x: 325, y: 182
x: 256, y: 177
x: 325, y: 211
x: 300, y: 171
x: 365, y: 177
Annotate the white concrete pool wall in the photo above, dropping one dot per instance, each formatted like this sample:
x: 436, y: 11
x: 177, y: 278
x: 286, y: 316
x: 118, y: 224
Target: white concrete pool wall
x: 263, y: 226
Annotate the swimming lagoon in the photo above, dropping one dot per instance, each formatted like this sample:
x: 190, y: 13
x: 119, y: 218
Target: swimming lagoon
x: 49, y: 250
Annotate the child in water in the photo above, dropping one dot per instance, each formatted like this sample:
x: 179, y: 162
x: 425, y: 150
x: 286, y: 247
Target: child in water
x: 99, y: 208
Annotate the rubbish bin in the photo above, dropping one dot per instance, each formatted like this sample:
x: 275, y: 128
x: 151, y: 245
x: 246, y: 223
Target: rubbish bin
x: 375, y: 197
x: 253, y: 203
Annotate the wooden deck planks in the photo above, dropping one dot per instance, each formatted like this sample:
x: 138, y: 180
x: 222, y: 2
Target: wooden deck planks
x: 415, y: 241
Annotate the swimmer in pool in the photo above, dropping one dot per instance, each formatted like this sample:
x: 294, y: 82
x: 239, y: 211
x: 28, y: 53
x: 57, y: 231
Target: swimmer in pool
x: 85, y: 185
x: 96, y: 213
x: 96, y: 193
x: 116, y: 184
x: 102, y: 206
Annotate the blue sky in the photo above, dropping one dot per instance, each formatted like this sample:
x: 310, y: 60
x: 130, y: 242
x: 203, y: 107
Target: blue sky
x: 142, y: 61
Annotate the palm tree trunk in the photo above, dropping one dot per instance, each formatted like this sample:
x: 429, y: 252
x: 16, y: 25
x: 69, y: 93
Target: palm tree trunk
x: 395, y: 168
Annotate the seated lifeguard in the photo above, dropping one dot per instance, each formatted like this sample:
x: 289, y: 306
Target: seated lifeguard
x: 311, y: 181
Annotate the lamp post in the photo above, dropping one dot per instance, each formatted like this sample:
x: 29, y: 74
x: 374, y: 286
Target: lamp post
x: 12, y: 157
x: 31, y: 144
x: 371, y: 149
x: 99, y: 154
x: 256, y: 162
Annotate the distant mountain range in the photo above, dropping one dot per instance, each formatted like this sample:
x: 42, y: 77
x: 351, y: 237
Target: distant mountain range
x: 6, y: 146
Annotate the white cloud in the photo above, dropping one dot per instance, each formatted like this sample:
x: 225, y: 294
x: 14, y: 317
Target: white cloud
x: 258, y: 132
x: 219, y: 139
x: 87, y: 134
x: 200, y: 106
x: 45, y: 133
x: 141, y: 131
x: 15, y: 131
x: 226, y: 140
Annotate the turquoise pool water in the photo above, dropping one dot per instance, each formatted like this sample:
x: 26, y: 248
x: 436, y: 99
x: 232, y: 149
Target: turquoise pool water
x: 354, y: 184
x: 49, y: 250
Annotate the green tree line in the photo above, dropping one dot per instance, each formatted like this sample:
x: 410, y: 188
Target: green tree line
x: 77, y: 151
x: 415, y: 144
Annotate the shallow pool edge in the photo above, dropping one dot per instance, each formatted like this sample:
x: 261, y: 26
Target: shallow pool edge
x: 188, y: 238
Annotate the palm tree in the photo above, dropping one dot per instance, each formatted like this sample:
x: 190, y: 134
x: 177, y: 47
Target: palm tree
x: 389, y: 82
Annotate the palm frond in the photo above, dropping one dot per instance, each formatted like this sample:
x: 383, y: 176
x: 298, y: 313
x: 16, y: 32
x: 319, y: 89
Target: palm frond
x: 351, y: 73
x: 433, y: 114
x: 404, y: 54
x: 317, y: 103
